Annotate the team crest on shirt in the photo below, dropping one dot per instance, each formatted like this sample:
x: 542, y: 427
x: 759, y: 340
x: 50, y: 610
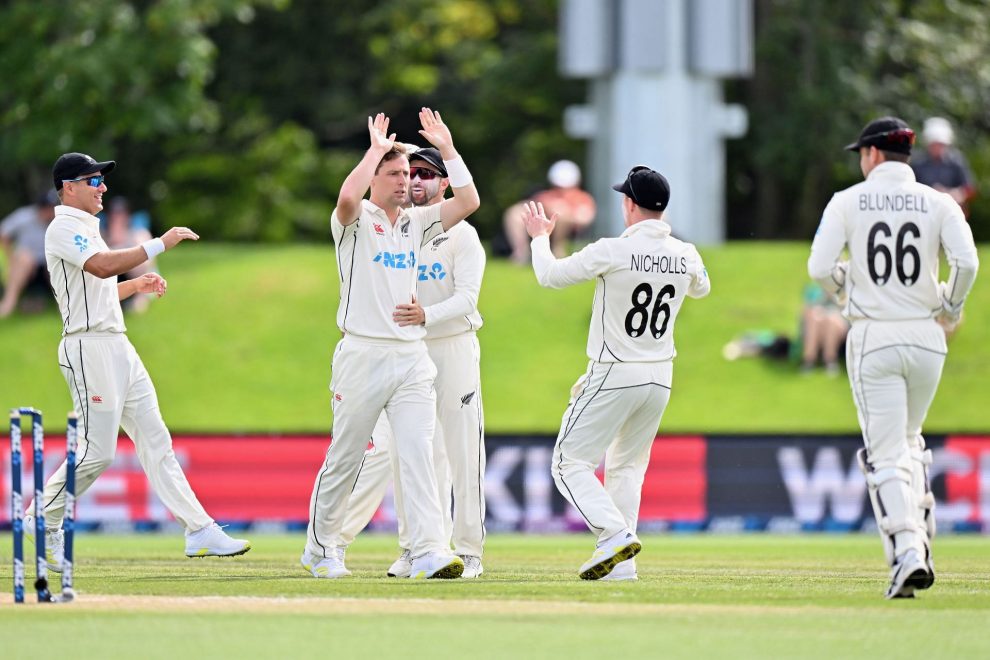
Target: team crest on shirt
x: 438, y: 241
x: 466, y: 399
x: 379, y: 229
x: 81, y: 242
x: 405, y: 228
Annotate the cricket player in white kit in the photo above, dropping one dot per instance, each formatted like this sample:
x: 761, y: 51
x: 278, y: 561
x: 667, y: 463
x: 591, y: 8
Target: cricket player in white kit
x: 378, y: 364
x: 449, y: 281
x: 642, y: 278
x: 110, y: 386
x: 893, y: 228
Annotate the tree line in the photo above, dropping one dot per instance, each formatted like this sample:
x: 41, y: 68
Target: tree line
x: 242, y: 117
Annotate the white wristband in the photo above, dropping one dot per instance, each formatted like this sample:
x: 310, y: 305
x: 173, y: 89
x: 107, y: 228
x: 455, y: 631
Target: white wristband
x: 154, y: 247
x: 457, y: 173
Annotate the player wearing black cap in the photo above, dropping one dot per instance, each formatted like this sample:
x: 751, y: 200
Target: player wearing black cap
x: 893, y: 228
x: 642, y: 278
x: 109, y: 385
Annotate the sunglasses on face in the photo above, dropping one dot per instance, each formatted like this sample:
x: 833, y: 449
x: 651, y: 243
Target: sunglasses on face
x: 92, y: 181
x: 423, y: 173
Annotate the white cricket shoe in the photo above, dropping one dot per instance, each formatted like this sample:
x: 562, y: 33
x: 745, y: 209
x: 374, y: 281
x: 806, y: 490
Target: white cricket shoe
x: 472, y: 566
x: 437, y: 565
x: 909, y: 572
x: 54, y: 544
x: 212, y: 541
x: 624, y: 571
x: 401, y: 567
x: 325, y: 567
x: 618, y: 548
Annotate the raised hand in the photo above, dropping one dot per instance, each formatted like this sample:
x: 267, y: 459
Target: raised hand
x: 536, y: 221
x: 378, y: 131
x: 176, y: 235
x: 434, y: 130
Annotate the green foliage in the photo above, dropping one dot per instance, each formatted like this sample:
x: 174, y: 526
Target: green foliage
x: 822, y: 71
x: 189, y: 94
x: 255, y: 182
x: 89, y: 76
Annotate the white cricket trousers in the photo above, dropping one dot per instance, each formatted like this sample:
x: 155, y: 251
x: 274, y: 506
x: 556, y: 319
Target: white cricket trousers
x: 110, y: 390
x: 614, y: 411
x: 459, y: 452
x: 894, y: 369
x: 370, y: 376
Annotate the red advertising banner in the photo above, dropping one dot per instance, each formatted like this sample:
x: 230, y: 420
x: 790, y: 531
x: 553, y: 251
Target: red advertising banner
x: 965, y: 463
x: 692, y: 482
x: 236, y: 478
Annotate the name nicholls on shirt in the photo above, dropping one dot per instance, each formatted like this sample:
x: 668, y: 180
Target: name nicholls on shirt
x: 649, y: 263
x: 881, y: 202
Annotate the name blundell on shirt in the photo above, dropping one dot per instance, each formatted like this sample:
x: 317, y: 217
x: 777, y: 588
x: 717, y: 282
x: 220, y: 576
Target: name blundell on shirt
x: 896, y: 202
x: 651, y: 263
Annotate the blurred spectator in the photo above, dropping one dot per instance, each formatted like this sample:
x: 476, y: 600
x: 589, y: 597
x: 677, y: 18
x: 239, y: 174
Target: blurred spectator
x: 823, y: 330
x: 124, y: 229
x: 22, y: 234
x: 943, y: 167
x: 574, y: 207
x: 821, y: 334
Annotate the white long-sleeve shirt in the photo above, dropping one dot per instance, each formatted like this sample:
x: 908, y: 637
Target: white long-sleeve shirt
x: 893, y: 227
x: 451, y: 268
x: 642, y: 278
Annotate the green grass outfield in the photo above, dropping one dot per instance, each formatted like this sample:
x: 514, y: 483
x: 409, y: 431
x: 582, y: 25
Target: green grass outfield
x: 242, y: 342
x: 699, y: 596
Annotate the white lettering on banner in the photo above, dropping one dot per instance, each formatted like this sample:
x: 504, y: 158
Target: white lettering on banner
x: 947, y: 461
x: 828, y: 482
x: 501, y: 506
x: 538, y: 488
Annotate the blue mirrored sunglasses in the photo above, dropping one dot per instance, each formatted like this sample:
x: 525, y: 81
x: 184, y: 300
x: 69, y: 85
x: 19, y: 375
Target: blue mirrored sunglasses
x: 93, y: 181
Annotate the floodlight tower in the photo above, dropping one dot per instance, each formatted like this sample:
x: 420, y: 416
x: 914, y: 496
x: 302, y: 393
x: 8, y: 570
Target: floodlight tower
x: 656, y: 99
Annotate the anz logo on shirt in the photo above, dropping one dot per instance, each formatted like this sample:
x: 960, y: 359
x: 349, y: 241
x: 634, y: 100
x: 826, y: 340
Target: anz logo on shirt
x: 81, y: 242
x: 434, y: 272
x: 397, y: 260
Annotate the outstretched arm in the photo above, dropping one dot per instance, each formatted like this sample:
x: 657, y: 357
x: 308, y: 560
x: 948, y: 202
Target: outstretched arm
x: 115, y: 262
x: 465, y: 200
x: 359, y: 180
x: 555, y: 273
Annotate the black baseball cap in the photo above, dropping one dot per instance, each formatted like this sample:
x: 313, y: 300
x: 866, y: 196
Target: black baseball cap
x: 73, y: 165
x: 648, y: 188
x: 886, y: 134
x: 432, y: 156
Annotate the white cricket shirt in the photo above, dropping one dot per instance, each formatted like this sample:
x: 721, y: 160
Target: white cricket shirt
x: 378, y: 267
x: 450, y: 271
x: 893, y: 227
x: 642, y: 279
x: 87, y: 303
